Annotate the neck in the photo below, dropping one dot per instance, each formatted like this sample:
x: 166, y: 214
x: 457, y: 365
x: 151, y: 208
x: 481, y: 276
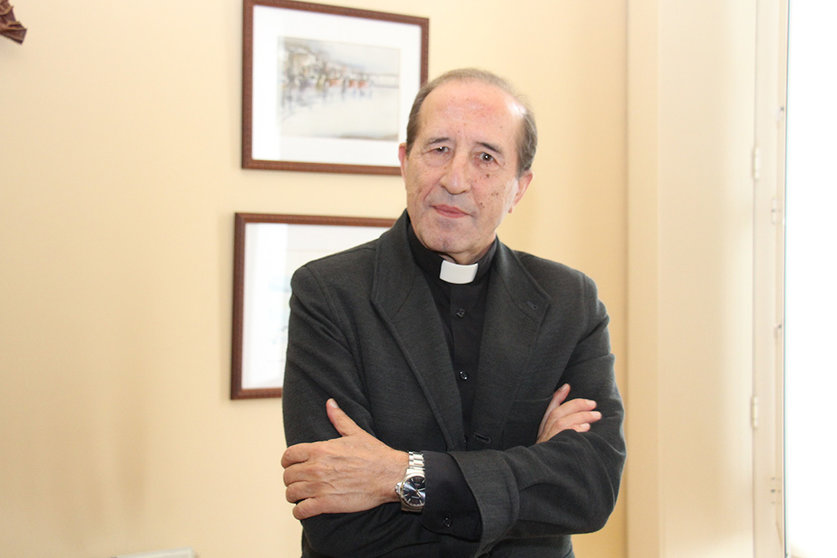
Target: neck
x: 463, y: 258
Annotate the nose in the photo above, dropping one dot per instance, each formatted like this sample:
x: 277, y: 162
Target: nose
x: 456, y: 179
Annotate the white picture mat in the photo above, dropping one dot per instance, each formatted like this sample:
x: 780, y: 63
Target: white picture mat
x: 273, y: 251
x: 271, y: 23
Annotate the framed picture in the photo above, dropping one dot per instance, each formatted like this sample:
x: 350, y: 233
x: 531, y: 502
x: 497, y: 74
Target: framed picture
x: 268, y: 249
x: 328, y: 88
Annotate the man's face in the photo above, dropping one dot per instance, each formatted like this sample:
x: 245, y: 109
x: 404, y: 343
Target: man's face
x: 461, y: 172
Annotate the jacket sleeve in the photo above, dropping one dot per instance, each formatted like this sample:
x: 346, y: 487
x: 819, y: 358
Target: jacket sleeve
x: 568, y: 484
x: 321, y: 364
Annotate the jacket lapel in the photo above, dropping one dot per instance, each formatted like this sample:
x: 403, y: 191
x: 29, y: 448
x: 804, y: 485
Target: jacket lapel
x: 403, y: 299
x: 516, y: 307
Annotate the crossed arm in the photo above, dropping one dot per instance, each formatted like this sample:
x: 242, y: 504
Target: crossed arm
x: 357, y: 472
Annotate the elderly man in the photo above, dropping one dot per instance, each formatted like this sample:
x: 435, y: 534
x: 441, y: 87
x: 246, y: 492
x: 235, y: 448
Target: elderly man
x: 427, y: 389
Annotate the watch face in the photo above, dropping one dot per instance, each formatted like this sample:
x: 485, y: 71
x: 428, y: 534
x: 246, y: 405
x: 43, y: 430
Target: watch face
x: 412, y: 491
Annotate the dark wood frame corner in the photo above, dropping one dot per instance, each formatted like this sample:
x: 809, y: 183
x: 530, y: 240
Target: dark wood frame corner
x: 248, y: 161
x: 242, y: 220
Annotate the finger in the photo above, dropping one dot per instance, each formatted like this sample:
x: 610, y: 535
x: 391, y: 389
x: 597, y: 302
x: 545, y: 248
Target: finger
x: 568, y: 419
x: 295, y: 454
x: 579, y: 419
x: 589, y: 419
x: 295, y: 474
x: 345, y: 426
x: 558, y: 398
x: 558, y: 421
x: 574, y: 406
x: 572, y: 421
x: 299, y: 491
x: 306, y: 508
x: 565, y: 414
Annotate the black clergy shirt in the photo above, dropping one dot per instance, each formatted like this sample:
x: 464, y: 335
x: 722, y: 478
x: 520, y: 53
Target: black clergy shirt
x: 450, y: 507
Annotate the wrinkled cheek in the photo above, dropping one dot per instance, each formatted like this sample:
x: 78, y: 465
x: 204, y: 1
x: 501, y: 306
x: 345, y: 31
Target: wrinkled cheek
x: 414, y: 203
x: 418, y: 191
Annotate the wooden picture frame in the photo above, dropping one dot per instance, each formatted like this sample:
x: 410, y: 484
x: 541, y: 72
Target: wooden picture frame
x: 268, y: 249
x: 328, y: 88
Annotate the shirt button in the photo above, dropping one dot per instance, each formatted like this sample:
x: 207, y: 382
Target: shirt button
x: 447, y: 521
x: 463, y: 375
x: 460, y: 313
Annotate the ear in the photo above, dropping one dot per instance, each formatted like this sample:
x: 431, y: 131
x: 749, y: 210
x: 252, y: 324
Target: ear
x: 402, y: 157
x: 523, y: 182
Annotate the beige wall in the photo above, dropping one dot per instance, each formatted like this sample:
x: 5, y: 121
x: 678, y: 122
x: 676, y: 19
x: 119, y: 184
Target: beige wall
x: 119, y: 176
x: 697, y: 324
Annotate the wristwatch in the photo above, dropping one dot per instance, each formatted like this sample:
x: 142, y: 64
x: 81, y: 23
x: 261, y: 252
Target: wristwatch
x: 411, y: 490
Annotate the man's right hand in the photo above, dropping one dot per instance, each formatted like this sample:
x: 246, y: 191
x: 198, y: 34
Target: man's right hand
x: 560, y: 415
x: 352, y: 473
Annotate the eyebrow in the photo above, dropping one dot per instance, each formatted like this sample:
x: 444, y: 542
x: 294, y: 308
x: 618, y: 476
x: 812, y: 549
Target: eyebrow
x: 434, y: 141
x: 491, y: 147
x: 485, y: 144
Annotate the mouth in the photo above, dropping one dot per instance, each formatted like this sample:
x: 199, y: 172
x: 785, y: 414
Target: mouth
x: 449, y: 211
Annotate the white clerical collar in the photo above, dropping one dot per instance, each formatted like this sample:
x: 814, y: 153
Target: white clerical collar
x: 456, y: 273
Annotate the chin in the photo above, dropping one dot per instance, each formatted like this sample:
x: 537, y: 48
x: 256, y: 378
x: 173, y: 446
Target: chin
x: 449, y: 246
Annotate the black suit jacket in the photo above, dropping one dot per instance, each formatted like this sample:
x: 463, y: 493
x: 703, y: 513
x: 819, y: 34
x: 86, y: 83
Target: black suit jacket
x: 364, y: 329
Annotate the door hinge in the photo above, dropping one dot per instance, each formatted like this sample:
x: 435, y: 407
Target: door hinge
x: 756, y: 160
x: 776, y: 215
x: 775, y: 487
x: 754, y: 411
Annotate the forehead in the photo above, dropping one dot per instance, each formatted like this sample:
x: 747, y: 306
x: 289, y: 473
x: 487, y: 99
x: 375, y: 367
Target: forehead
x: 471, y: 105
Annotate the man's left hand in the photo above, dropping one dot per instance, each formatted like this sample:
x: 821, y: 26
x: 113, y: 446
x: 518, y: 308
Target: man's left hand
x: 575, y: 414
x: 353, y: 473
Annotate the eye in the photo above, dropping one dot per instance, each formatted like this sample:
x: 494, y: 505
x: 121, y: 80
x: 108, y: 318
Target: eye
x: 437, y: 149
x: 486, y: 157
x: 436, y: 154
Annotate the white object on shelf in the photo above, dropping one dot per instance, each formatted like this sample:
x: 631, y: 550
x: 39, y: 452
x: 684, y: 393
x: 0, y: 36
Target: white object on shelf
x: 174, y: 553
